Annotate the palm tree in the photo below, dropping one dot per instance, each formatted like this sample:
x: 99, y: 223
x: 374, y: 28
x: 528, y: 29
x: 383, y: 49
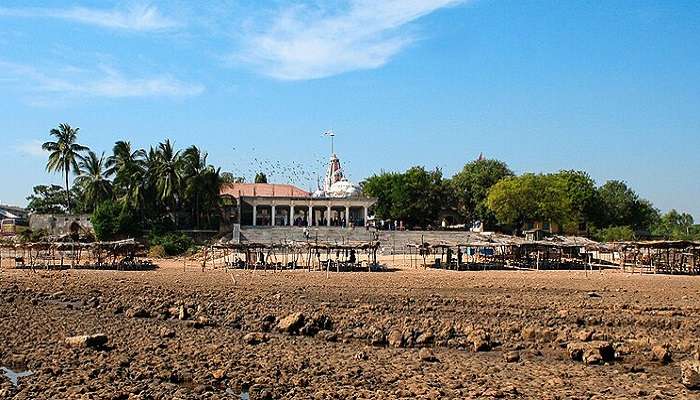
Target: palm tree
x: 128, y: 167
x: 64, y: 154
x: 201, y: 183
x: 93, y: 180
x: 168, y: 177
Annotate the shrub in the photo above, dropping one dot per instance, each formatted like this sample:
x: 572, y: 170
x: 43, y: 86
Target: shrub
x: 615, y: 233
x: 172, y: 243
x: 112, y: 221
x: 156, y: 251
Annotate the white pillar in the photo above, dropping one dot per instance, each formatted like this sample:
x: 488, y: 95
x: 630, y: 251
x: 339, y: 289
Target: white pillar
x: 291, y: 215
x: 274, y: 208
x: 347, y: 216
x: 310, y: 217
x: 328, y: 219
x: 365, y: 209
x: 255, y: 214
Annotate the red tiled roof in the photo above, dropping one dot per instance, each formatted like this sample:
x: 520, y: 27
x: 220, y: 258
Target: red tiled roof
x: 237, y: 190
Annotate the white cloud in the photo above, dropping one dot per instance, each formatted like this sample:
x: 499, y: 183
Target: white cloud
x: 101, y: 82
x: 137, y: 18
x: 305, y: 42
x: 31, y: 148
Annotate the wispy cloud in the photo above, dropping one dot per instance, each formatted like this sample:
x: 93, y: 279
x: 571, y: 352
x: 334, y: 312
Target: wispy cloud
x: 136, y: 18
x: 72, y: 82
x: 31, y: 148
x: 308, y: 42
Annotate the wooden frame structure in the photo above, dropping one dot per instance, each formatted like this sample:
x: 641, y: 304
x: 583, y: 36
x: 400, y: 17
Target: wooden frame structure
x: 119, y: 255
x: 352, y: 256
x: 660, y: 256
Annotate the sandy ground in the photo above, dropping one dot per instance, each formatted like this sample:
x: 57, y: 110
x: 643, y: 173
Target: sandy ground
x: 174, y: 333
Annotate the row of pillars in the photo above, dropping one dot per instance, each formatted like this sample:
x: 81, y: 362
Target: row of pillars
x: 309, y: 215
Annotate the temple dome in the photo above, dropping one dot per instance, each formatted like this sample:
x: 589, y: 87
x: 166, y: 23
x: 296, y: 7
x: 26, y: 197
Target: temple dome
x: 344, y: 188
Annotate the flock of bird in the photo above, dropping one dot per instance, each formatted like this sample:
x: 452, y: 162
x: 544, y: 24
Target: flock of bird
x: 305, y: 173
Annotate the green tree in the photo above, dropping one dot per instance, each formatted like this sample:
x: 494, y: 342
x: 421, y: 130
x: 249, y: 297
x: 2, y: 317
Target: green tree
x: 381, y: 186
x: 619, y: 205
x: 260, y: 177
x: 415, y: 196
x: 112, y: 221
x: 93, y: 181
x: 168, y: 172
x: 471, y: 186
x: 128, y: 168
x: 47, y: 199
x: 529, y: 197
x: 615, y: 234
x: 64, y: 154
x: 582, y: 195
x: 202, y: 183
x: 676, y: 226
x: 229, y: 177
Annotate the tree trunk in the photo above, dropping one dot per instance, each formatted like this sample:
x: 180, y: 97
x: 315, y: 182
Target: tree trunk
x: 68, y: 210
x: 197, y: 216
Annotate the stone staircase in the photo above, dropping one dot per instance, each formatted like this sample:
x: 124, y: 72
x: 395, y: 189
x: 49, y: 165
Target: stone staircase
x: 389, y: 240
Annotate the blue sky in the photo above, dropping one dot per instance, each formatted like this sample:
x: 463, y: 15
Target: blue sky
x: 610, y: 87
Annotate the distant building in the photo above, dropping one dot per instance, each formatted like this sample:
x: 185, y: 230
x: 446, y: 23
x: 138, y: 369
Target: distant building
x: 338, y: 203
x: 11, y: 217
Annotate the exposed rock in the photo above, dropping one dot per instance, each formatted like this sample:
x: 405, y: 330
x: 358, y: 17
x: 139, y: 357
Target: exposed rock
x: 199, y: 323
x: 309, y: 329
x: 480, y: 339
x: 291, y: 323
x: 267, y: 323
x: 593, y: 294
x: 533, y: 333
x: 255, y: 338
x: 595, y: 352
x: 661, y: 353
x: 377, y: 338
x: 690, y: 374
x: 328, y: 336
x: 427, y: 355
x: 425, y: 338
x: 218, y: 374
x: 585, y: 335
x: 395, y: 338
x: 138, y: 313
x: 511, y: 356
x: 96, y: 340
x: 167, y: 332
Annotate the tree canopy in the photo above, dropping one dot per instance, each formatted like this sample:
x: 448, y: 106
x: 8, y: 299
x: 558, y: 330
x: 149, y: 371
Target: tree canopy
x: 415, y: 197
x: 64, y: 154
x: 260, y: 177
x: 516, y: 200
x: 471, y: 186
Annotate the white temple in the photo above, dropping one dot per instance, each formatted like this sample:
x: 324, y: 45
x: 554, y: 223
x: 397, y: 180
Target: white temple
x: 335, y: 184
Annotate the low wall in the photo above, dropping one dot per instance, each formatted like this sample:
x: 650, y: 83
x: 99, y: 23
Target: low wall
x: 57, y: 224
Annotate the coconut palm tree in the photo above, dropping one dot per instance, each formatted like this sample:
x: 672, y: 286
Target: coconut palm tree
x: 93, y: 180
x: 201, y: 183
x: 128, y: 167
x: 168, y: 178
x: 64, y: 154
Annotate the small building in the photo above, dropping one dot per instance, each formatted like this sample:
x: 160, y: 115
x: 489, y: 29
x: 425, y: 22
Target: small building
x: 11, y: 217
x: 339, y: 203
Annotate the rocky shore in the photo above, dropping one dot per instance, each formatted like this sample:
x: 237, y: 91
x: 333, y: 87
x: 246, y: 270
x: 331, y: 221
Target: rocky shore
x: 170, y: 333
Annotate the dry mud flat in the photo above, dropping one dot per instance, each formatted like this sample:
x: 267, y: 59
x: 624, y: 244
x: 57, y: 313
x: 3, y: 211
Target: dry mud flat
x: 171, y: 333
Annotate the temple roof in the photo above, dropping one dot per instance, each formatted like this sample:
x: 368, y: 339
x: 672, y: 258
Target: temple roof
x: 238, y: 190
